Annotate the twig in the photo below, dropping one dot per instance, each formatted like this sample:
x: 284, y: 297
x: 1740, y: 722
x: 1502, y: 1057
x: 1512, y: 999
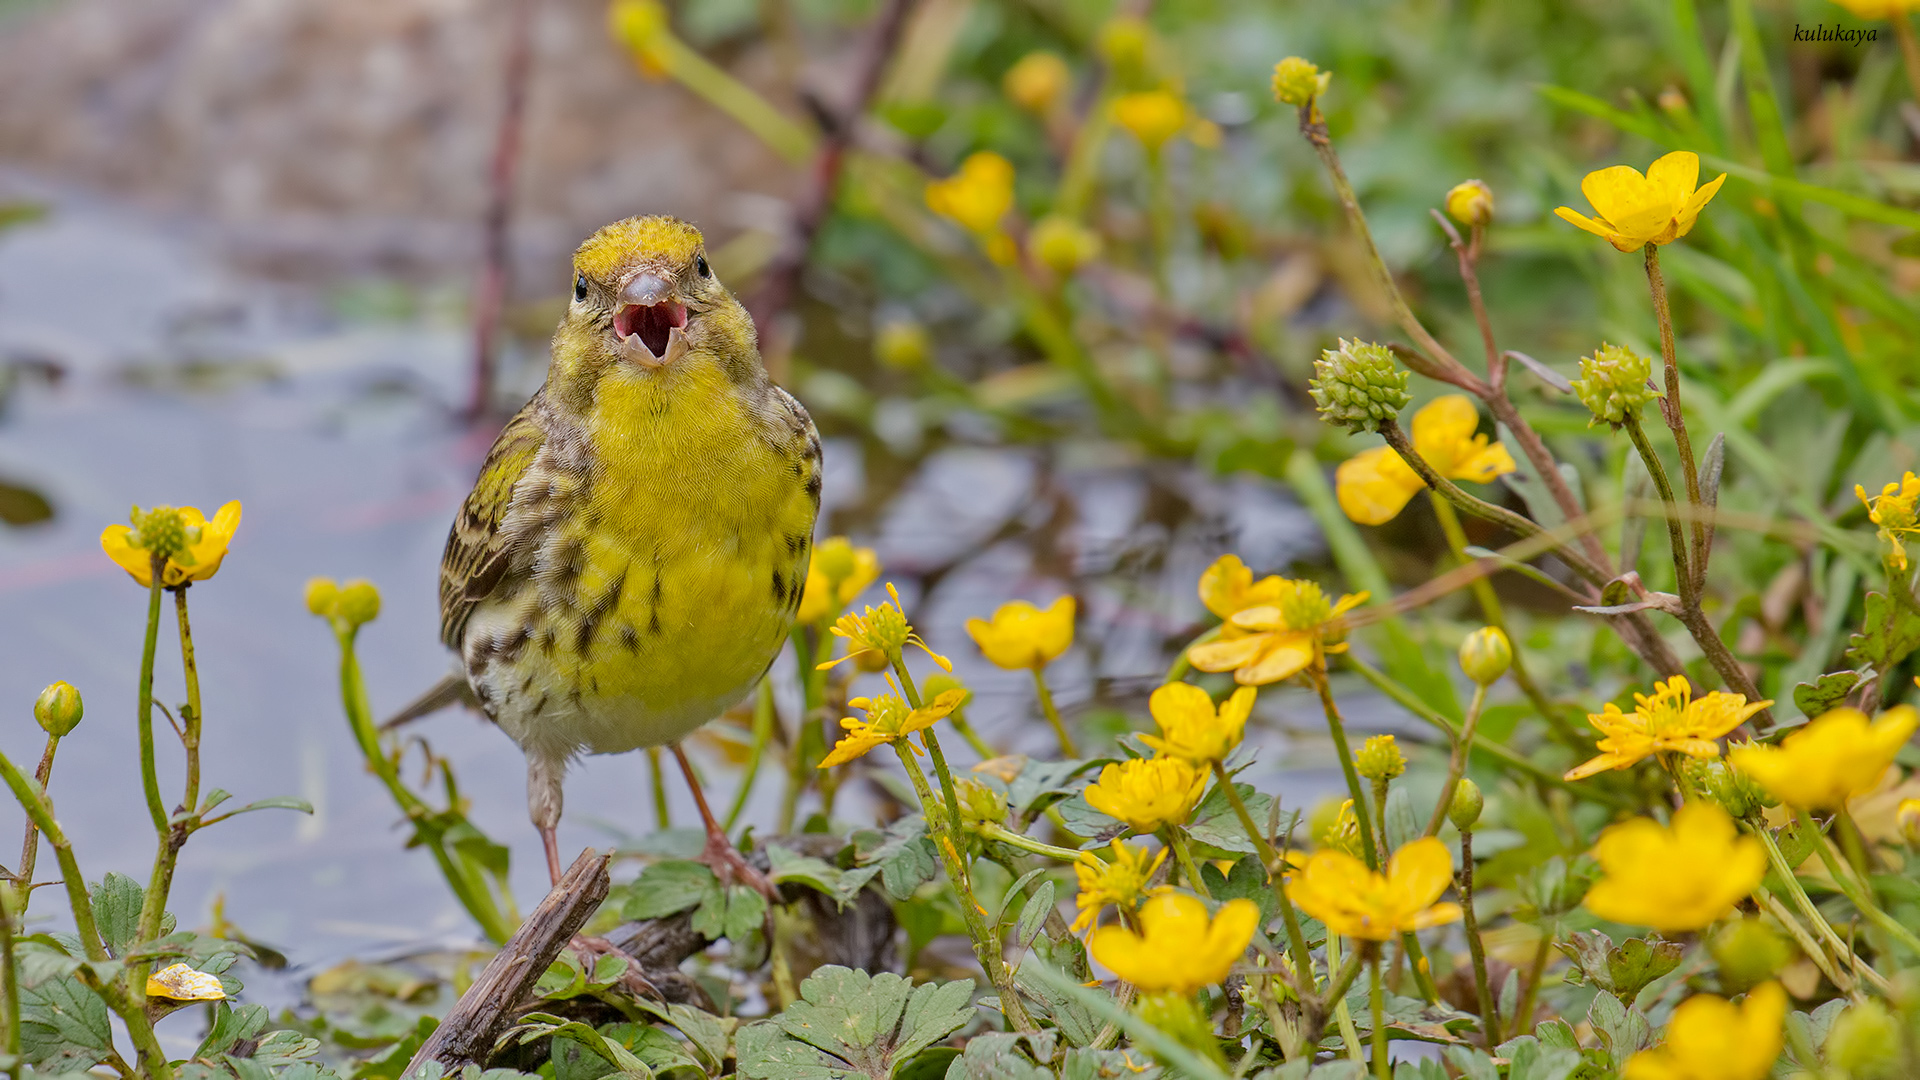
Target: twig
x: 468, y: 1034
x: 492, y: 292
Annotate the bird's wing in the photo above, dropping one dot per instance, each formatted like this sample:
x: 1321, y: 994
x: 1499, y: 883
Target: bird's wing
x: 479, y: 551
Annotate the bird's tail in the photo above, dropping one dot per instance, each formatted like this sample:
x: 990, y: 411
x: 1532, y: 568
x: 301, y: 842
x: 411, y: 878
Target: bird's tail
x: 451, y: 690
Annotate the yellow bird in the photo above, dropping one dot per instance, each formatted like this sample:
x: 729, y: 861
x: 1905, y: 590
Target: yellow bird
x: 629, y: 561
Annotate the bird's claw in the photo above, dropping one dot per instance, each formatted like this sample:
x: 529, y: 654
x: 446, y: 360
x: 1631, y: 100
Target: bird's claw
x: 591, y: 949
x: 731, y: 867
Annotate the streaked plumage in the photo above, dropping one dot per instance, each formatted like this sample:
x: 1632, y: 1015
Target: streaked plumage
x: 630, y: 558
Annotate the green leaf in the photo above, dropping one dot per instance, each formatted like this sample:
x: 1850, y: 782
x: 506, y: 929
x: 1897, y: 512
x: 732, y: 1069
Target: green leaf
x: 1529, y: 1060
x: 391, y: 1062
x: 1622, y: 970
x: 1034, y: 914
x: 848, y: 1024
x: 231, y: 1026
x: 817, y: 874
x: 711, y: 1035
x: 1827, y: 692
x: 1004, y: 1056
x: 116, y: 908
x: 746, y: 913
x: 278, y: 802
x: 659, y: 1051
x: 1075, y: 1023
x: 668, y: 888
x: 536, y: 1025
x: 63, y: 1026
x: 1891, y: 631
x: 905, y: 855
x: 1082, y: 1064
x: 1473, y: 1063
x: 1623, y: 1030
x: 1216, y: 825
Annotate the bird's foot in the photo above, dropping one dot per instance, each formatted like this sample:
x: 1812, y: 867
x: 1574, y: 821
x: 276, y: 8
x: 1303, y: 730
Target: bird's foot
x: 731, y: 867
x: 591, y: 949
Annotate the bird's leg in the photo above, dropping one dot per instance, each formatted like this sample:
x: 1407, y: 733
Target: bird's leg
x: 543, y: 806
x: 550, y: 837
x: 720, y: 855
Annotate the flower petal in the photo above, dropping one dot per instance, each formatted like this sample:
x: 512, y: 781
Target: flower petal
x: 1286, y: 656
x: 1442, y: 424
x: 1374, y: 485
x: 116, y: 541
x: 1420, y: 871
x: 1675, y: 175
x: 1597, y: 228
x: 1226, y: 655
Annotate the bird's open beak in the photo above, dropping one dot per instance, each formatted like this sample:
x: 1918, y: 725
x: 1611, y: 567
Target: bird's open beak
x: 649, y: 323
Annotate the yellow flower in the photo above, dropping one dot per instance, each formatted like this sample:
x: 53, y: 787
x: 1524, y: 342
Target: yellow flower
x: 880, y: 633
x: 1121, y: 880
x: 1341, y: 892
x: 1147, y: 793
x: 1831, y: 760
x: 1675, y: 879
x: 1273, y: 641
x: 1335, y: 828
x: 1634, y: 210
x: 1191, y: 729
x: 182, y: 983
x: 1893, y: 510
x: 888, y: 720
x: 1470, y: 202
x: 1036, y: 81
x: 836, y: 573
x: 1024, y: 636
x: 1906, y: 818
x: 1178, y: 948
x: 1153, y: 117
x: 1380, y: 759
x: 977, y: 196
x: 1668, y: 722
x: 1374, y: 485
x: 1710, y: 1038
x: 1227, y: 587
x: 1879, y: 9
x: 194, y: 545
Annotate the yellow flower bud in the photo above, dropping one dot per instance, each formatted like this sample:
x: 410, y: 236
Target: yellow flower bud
x: 1021, y: 635
x: 1486, y: 655
x: 1037, y: 82
x: 322, y: 595
x: 358, y: 603
x: 939, y: 683
x: 58, y: 709
x: 1297, y: 82
x: 1153, y: 117
x: 641, y: 25
x: 1334, y: 826
x: 1470, y: 202
x: 1907, y: 817
x: 903, y: 345
x: 976, y: 196
x: 1380, y: 759
x: 1061, y: 244
x: 1467, y: 805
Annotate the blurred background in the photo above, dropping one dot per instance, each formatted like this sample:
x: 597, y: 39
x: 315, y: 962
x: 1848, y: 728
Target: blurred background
x: 251, y: 250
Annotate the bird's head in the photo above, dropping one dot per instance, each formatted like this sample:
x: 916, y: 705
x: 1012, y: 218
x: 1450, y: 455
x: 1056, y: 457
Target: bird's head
x: 645, y: 296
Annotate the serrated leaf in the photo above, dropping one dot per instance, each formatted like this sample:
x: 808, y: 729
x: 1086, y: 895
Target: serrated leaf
x: 1623, y: 1030
x: 746, y: 912
x: 1083, y: 1064
x: 1825, y: 693
x: 536, y: 1025
x: 116, y: 908
x: 1529, y: 1060
x: 817, y: 874
x: 1638, y: 962
x: 1077, y: 1025
x: 1002, y: 1056
x: 848, y: 1023
x: 668, y: 888
x: 63, y: 1026
x: 1891, y: 631
x: 1217, y: 825
x: 1473, y: 1063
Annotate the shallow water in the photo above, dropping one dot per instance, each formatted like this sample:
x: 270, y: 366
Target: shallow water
x: 181, y: 381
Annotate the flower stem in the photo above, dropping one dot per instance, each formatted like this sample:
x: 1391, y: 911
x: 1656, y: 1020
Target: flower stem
x: 763, y: 722
x: 1317, y: 673
x: 662, y: 815
x: 1377, y: 1000
x: 9, y: 976
x: 191, y: 716
x: 1276, y: 874
x: 1177, y: 840
x: 1657, y: 469
x: 1477, y: 949
x: 994, y: 831
x: 1053, y: 714
x: 149, y: 773
x: 1671, y: 411
x: 30, y: 844
x: 1457, y: 761
x: 1858, y: 889
x: 1342, y: 979
x: 1523, y: 1015
x: 1839, y: 949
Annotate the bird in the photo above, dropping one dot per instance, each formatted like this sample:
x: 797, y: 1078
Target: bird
x: 631, y: 557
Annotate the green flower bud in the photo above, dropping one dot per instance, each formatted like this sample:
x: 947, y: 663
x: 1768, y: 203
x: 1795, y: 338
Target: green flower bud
x: 322, y: 595
x: 1179, y: 1016
x: 979, y: 804
x: 1748, y: 953
x: 1380, y: 759
x: 1358, y: 385
x: 1297, y: 82
x: 903, y: 345
x: 1486, y: 655
x: 1613, y: 383
x: 1735, y: 791
x: 161, y: 530
x: 1467, y: 805
x: 1864, y: 1043
x: 58, y: 709
x: 939, y: 683
x: 359, y: 603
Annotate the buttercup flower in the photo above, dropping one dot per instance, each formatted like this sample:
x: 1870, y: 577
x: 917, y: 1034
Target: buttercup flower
x: 1023, y: 636
x: 1380, y: 759
x: 1153, y: 117
x: 1227, y: 587
x: 1832, y: 759
x: 182, y: 983
x: 1894, y: 511
x: 836, y: 573
x: 1147, y: 793
x: 1613, y: 383
x: 1036, y: 81
x: 1276, y: 640
x: 1668, y: 722
x: 1470, y: 202
x: 880, y: 633
x: 1906, y: 818
x: 1178, y: 949
x: 1710, y: 1038
x: 1340, y: 891
x: 889, y: 719
x: 58, y: 709
x: 1121, y: 880
x: 1334, y: 828
x: 1675, y: 879
x: 194, y: 546
x: 1374, y: 485
x: 1632, y: 211
x: 1191, y: 729
x: 977, y: 196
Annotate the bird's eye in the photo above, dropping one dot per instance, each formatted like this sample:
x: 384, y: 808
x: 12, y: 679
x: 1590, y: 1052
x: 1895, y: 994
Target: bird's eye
x: 580, y: 286
x: 700, y: 264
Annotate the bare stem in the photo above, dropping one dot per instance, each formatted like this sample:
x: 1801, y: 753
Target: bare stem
x: 1317, y: 673
x: 1670, y: 409
x: 149, y: 772
x: 1053, y: 714
x: 1457, y: 761
x: 1477, y: 949
x: 1377, y: 1001
x: 1276, y: 869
